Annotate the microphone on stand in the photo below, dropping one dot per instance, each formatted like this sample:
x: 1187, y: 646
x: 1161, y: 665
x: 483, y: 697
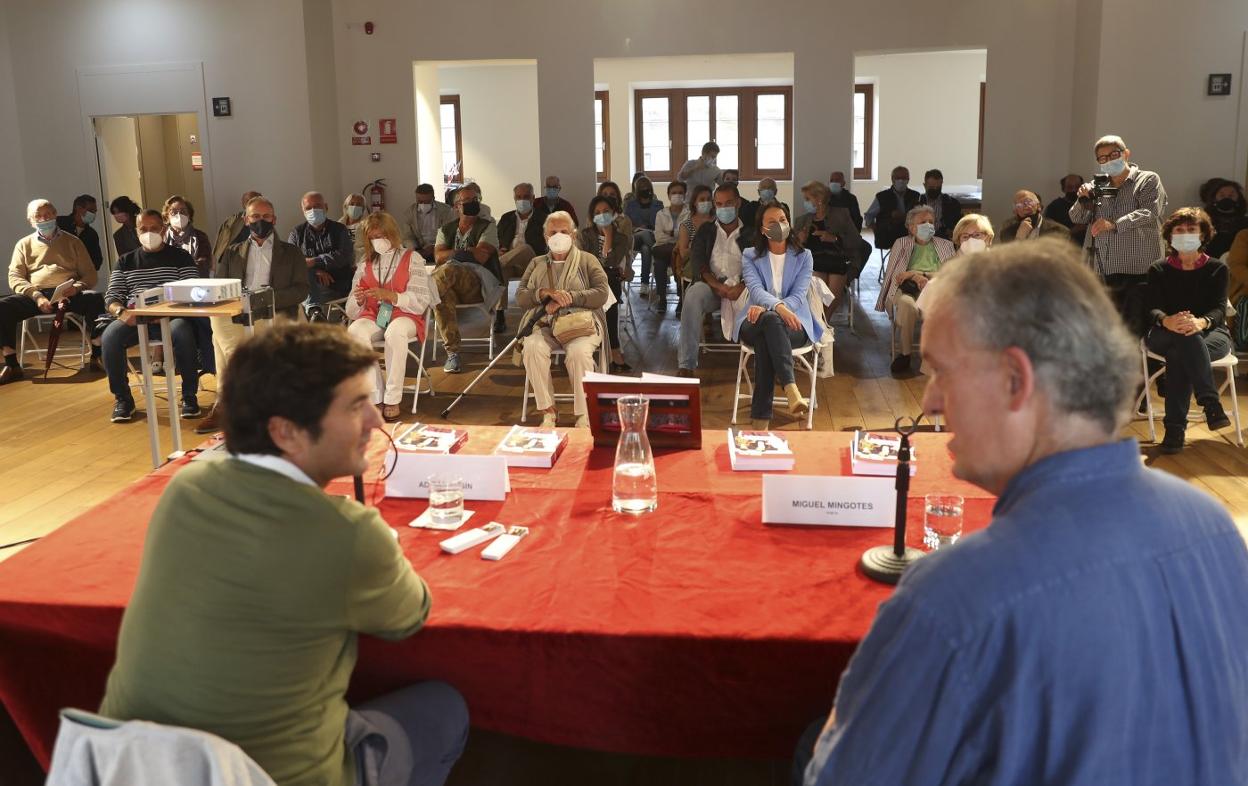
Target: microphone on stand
x: 359, y: 489
x: 886, y: 563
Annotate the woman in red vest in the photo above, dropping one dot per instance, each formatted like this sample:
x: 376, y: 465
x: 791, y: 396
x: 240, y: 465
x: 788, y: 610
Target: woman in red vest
x: 390, y: 294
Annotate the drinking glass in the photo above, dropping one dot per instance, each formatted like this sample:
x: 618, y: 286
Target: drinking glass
x: 942, y: 520
x: 446, y: 499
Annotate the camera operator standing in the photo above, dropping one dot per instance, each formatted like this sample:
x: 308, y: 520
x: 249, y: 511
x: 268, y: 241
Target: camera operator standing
x: 1123, y: 208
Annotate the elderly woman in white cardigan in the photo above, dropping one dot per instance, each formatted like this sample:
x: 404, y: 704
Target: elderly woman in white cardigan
x: 565, y: 281
x: 912, y: 262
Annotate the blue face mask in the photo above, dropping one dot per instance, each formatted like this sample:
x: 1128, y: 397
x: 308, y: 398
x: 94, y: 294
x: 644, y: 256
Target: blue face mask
x: 524, y: 205
x: 1185, y: 242
x: 835, y: 188
x: 355, y: 212
x: 766, y: 194
x: 315, y: 216
x: 46, y: 228
x: 88, y: 218
x: 1114, y: 167
x: 704, y: 207
x: 901, y: 185
x: 604, y: 219
x: 925, y: 232
x: 808, y: 205
x: 726, y: 215
x: 552, y: 194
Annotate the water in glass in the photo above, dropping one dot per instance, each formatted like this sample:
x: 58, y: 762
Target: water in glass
x: 942, y: 520
x: 446, y: 500
x: 635, y: 487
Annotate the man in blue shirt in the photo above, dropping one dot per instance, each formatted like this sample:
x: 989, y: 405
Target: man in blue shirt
x: 1095, y: 632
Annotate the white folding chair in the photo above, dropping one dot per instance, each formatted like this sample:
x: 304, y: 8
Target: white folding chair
x: 44, y: 322
x: 489, y: 310
x: 1227, y: 363
x: 807, y: 357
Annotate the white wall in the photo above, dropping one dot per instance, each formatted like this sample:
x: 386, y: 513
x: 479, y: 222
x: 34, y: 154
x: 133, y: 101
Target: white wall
x: 14, y: 194
x: 498, y: 117
x: 927, y: 116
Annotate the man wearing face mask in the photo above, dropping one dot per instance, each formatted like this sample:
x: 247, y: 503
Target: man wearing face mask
x: 701, y: 171
x: 262, y: 260
x: 666, y: 225
x: 643, y: 210
x: 43, y: 261
x: 519, y: 236
x: 887, y: 213
x: 233, y: 230
x: 154, y: 264
x: 552, y: 202
x: 1029, y: 220
x: 327, y: 250
x: 715, y: 269
x: 1059, y: 209
x: 468, y: 269
x: 422, y: 220
x: 841, y: 196
x: 948, y: 209
x: 80, y: 223
x: 1124, y: 230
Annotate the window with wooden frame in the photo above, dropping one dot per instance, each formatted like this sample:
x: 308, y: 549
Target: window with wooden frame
x: 753, y: 127
x: 864, y: 132
x: 602, y: 134
x: 452, y: 140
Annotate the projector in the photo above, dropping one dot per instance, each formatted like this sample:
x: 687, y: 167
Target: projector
x: 203, y: 291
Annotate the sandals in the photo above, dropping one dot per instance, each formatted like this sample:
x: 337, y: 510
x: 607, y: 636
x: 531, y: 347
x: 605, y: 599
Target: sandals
x: 390, y: 412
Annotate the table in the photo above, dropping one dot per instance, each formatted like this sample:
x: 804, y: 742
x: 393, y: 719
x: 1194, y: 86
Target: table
x: 694, y: 631
x: 162, y: 313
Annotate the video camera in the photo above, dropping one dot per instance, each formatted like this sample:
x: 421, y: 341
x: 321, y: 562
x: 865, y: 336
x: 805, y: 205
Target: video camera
x: 1103, y: 188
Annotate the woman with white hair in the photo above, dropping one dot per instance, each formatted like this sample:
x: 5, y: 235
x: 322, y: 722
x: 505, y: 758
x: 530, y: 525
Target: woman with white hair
x: 912, y: 262
x: 564, y: 290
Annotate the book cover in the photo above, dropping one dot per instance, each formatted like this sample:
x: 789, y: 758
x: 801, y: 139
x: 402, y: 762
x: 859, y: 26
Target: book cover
x: 755, y: 450
x: 877, y: 453
x: 531, y: 447
x: 423, y: 438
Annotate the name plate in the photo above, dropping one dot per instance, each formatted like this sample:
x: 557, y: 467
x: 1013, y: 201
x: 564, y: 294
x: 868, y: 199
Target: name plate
x: 485, y: 477
x: 829, y: 500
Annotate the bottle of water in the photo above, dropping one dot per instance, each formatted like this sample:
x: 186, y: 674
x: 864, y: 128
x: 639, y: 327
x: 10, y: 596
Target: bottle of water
x: 634, y: 488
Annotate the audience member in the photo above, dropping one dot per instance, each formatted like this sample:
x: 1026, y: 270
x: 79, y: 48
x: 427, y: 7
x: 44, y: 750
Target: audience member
x: 841, y: 196
x: 42, y: 261
x: 178, y: 215
x: 562, y: 283
x: 777, y: 318
x: 611, y: 190
x: 259, y: 261
x: 328, y: 252
x: 255, y: 584
x: 125, y: 212
x: 1187, y: 310
x: 1237, y: 265
x: 999, y: 660
x: 353, y: 209
x: 1229, y: 213
x: 1059, y: 209
x: 155, y: 263
x: 948, y: 209
x: 715, y: 255
x: 422, y: 221
x: 747, y: 209
x: 888, y: 211
x: 642, y: 211
x: 1029, y: 221
x: 519, y: 235
x: 1124, y: 231
x: 468, y: 269
x: 912, y: 261
x: 666, y: 226
x: 80, y: 223
x: 390, y: 294
x: 699, y: 210
x: 232, y: 230
x: 610, y: 238
x: 1207, y: 190
x: 475, y: 188
x: 973, y: 234
x: 828, y: 234
x: 551, y: 202
x: 701, y: 171
x: 632, y: 186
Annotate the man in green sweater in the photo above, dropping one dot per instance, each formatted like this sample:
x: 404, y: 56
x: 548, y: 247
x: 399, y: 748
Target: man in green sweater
x: 255, y: 584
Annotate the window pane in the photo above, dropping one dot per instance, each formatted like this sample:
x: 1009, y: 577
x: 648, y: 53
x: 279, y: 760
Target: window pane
x: 727, y: 133
x: 697, y: 124
x: 598, y: 134
x: 860, y: 129
x: 771, y: 141
x: 655, y: 147
x: 450, y: 152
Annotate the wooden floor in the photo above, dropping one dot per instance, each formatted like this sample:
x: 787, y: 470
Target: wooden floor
x: 60, y: 455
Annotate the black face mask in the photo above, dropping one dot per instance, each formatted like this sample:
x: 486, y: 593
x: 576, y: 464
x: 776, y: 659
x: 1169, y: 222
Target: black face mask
x: 1071, y: 196
x: 645, y: 193
x: 471, y: 208
x: 261, y: 228
x: 1226, y: 205
x: 933, y: 193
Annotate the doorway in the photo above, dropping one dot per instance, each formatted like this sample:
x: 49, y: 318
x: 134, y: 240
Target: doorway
x: 148, y: 158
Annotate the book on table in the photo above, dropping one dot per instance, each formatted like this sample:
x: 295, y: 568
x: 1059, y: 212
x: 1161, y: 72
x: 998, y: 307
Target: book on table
x: 424, y: 438
x: 524, y: 446
x: 877, y: 453
x: 759, y: 450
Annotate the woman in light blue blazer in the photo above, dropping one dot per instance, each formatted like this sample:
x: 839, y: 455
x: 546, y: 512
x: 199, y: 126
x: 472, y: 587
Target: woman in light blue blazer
x: 776, y: 272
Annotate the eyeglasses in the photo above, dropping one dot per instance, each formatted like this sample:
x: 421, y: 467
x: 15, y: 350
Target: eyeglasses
x: 978, y: 235
x: 1111, y: 157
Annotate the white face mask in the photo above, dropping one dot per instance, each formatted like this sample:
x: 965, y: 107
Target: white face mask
x: 381, y: 245
x: 424, y: 208
x: 972, y: 245
x: 151, y: 241
x: 677, y: 199
x: 559, y: 243
x: 179, y: 221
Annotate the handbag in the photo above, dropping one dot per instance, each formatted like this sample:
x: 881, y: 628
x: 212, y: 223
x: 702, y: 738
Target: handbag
x: 567, y: 326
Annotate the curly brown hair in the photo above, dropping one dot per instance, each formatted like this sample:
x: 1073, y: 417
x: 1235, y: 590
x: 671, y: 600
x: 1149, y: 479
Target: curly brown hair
x: 1188, y: 216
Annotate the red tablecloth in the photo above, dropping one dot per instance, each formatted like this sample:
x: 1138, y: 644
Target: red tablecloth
x: 696, y: 630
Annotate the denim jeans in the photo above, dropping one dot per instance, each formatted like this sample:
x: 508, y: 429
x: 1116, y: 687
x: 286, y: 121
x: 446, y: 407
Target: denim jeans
x: 118, y: 337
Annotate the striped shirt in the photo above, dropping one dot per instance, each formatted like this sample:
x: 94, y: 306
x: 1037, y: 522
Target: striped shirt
x: 140, y: 270
x: 1136, y: 212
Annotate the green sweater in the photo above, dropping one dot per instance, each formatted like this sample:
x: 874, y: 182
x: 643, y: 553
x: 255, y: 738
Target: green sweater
x: 245, y: 616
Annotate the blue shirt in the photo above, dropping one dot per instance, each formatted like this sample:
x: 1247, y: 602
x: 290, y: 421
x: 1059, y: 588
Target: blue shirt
x: 1095, y: 633
x: 641, y: 215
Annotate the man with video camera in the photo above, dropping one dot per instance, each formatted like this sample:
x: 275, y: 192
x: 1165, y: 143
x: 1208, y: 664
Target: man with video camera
x: 1123, y: 208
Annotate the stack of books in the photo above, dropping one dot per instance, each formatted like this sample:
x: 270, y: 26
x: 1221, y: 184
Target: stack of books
x: 423, y: 438
x: 532, y: 447
x: 759, y: 450
x: 877, y: 453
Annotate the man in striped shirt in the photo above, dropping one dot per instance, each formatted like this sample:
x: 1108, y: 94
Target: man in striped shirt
x: 153, y: 264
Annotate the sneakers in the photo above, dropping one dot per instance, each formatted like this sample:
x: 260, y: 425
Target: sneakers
x: 901, y: 365
x: 190, y: 409
x: 316, y: 314
x: 1215, y: 416
x: 123, y: 411
x: 452, y: 365
x: 10, y: 374
x: 210, y: 424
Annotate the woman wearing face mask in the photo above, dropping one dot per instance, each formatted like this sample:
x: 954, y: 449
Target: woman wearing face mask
x: 642, y: 209
x: 352, y: 216
x: 1028, y: 221
x: 776, y: 272
x: 1227, y: 210
x: 666, y: 227
x: 829, y: 234
x: 181, y: 233
x: 1187, y: 309
x: 560, y: 284
x: 610, y: 238
x: 125, y: 213
x: 611, y: 191
x: 390, y: 294
x: 912, y: 262
x: 699, y: 210
x: 972, y: 234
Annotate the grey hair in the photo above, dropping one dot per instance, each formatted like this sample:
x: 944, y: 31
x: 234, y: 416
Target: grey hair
x: 559, y: 215
x: 1041, y: 298
x: 1110, y: 140
x: 916, y: 211
x: 309, y: 195
x: 34, y: 206
x: 523, y: 185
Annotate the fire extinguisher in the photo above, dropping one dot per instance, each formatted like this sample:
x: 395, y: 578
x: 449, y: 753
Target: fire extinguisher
x: 375, y: 195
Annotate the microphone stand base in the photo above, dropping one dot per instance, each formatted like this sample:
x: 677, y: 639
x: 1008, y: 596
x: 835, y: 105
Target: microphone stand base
x: 882, y: 565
